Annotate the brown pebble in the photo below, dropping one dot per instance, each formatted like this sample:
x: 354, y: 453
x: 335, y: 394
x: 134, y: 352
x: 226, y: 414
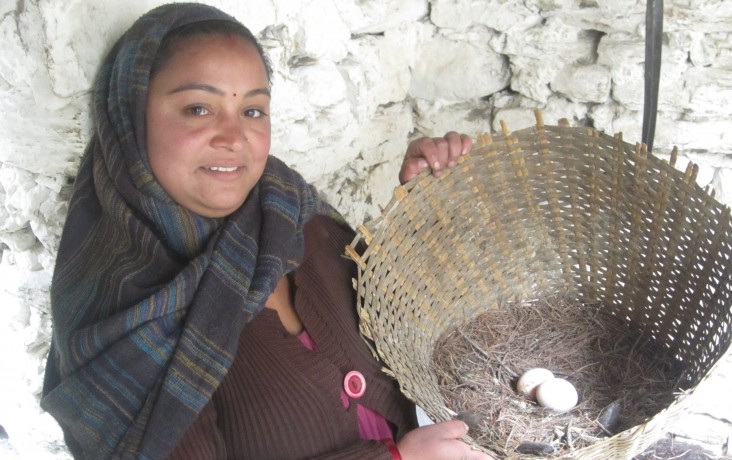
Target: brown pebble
x: 535, y: 448
x: 609, y: 417
x: 472, y: 419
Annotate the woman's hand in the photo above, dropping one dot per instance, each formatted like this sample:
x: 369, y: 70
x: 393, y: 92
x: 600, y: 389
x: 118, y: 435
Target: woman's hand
x: 437, y: 153
x: 441, y: 441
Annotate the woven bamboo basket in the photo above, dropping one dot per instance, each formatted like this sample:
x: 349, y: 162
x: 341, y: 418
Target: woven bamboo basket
x: 542, y: 210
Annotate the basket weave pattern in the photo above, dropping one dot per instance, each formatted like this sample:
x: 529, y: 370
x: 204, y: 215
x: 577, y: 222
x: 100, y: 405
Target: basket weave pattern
x: 549, y: 209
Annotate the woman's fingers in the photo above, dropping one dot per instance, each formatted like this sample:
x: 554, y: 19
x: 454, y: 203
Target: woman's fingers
x: 436, y: 153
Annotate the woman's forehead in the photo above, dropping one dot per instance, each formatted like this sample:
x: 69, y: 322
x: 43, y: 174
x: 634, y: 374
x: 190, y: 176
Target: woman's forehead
x: 215, y: 46
x: 215, y: 56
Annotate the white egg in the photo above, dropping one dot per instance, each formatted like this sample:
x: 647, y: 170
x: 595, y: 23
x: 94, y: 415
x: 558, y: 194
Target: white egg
x: 531, y: 379
x: 556, y: 394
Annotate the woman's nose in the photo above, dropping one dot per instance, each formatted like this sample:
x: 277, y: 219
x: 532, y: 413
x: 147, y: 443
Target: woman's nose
x: 230, y: 133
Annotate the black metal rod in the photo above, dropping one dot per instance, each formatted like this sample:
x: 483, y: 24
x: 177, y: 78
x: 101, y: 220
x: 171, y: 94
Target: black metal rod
x: 654, y: 37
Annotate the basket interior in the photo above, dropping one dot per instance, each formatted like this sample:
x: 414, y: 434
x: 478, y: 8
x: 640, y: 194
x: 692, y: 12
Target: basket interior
x: 547, y: 209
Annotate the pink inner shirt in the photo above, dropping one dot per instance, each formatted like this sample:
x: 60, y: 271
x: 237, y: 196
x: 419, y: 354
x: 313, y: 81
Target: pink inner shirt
x: 371, y: 424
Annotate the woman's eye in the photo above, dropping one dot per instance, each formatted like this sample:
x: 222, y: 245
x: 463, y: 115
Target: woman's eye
x: 197, y: 110
x: 254, y: 113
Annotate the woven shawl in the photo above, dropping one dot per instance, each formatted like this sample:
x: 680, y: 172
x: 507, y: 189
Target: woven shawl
x: 148, y: 299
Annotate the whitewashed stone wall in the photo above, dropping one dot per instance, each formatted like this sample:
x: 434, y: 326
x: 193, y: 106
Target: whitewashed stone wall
x: 355, y: 80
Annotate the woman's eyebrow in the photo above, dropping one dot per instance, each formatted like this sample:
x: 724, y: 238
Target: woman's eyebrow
x: 215, y: 90
x: 197, y: 86
x: 258, y: 91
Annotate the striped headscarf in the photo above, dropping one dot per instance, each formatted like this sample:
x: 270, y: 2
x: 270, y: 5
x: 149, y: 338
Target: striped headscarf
x: 148, y: 299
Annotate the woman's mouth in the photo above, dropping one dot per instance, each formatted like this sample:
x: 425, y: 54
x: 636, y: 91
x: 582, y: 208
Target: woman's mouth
x: 223, y: 169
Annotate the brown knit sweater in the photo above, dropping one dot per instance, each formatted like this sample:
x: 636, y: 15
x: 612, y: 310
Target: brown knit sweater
x: 282, y: 401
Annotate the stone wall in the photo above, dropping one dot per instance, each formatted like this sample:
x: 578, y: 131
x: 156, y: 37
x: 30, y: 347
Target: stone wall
x: 355, y: 80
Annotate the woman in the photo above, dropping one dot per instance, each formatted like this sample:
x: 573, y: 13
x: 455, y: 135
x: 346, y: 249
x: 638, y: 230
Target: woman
x: 200, y: 305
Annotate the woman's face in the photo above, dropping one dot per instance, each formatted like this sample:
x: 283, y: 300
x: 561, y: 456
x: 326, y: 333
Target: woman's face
x: 208, y: 125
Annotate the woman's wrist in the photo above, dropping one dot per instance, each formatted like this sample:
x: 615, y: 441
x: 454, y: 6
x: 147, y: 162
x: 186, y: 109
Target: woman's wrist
x: 393, y: 449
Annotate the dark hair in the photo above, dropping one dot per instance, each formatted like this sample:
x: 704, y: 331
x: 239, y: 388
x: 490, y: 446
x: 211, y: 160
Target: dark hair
x: 210, y: 27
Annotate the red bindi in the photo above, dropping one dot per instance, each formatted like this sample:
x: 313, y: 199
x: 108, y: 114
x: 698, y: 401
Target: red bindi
x: 234, y: 94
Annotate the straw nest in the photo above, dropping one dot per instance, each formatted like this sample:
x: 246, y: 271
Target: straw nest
x: 621, y: 379
x: 582, y: 240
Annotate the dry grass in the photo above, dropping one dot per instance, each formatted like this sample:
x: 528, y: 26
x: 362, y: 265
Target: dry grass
x: 478, y: 366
